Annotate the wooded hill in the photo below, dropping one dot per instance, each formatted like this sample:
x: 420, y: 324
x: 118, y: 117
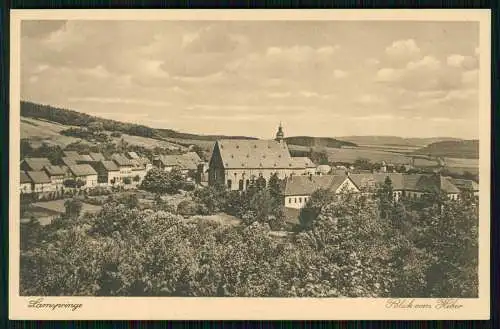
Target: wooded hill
x: 74, y: 118
x: 468, y: 149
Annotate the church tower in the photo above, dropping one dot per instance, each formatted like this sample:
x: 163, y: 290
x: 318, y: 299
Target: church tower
x: 280, y: 135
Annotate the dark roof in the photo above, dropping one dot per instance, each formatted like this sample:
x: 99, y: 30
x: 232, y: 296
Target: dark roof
x: 255, y: 154
x: 307, y: 184
x: 121, y: 160
x: 71, y: 154
x: 110, y: 165
x: 97, y: 156
x: 132, y: 155
x: 465, y: 184
x: 188, y: 160
x: 448, y: 186
x: 85, y: 157
x: 38, y: 177
x: 69, y: 161
x: 82, y: 170
x: 25, y: 178
x: 37, y: 164
x: 367, y: 181
x: 54, y: 170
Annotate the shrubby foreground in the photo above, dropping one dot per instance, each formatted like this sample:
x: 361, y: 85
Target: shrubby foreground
x: 346, y: 247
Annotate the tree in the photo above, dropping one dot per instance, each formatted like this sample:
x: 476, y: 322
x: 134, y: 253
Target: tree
x: 187, y: 208
x: 385, y: 198
x: 319, y: 199
x: 95, y: 127
x: 73, y: 208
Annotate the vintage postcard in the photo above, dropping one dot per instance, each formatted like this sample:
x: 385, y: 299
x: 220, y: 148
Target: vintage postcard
x: 284, y: 164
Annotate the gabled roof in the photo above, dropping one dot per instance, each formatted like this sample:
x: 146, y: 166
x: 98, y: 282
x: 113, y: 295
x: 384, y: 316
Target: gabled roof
x: 372, y: 180
x: 38, y: 177
x: 132, y: 155
x: 254, y: 154
x: 121, y: 160
x: 71, y: 154
x: 307, y: 184
x: 68, y: 161
x: 97, y: 156
x: 37, y: 164
x: 303, y: 162
x: 54, y: 170
x: 82, y: 170
x: 110, y: 165
x: 188, y: 160
x: 466, y: 184
x: 25, y: 178
x: 85, y: 157
x: 447, y: 185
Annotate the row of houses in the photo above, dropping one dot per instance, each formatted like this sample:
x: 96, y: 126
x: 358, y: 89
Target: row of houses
x: 89, y: 170
x: 298, y: 189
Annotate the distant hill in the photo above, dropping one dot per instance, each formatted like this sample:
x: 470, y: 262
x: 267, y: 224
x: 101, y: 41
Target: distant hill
x: 317, y: 142
x: 468, y: 149
x: 74, y: 118
x: 394, y: 140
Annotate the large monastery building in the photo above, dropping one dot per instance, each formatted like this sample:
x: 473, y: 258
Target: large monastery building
x: 235, y: 163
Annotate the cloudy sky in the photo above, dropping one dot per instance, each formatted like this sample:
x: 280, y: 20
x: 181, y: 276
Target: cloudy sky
x: 319, y: 78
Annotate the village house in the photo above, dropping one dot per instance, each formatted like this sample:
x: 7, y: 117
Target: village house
x: 25, y: 183
x: 187, y: 163
x: 34, y: 164
x: 236, y: 163
x: 298, y: 189
x: 56, y: 175
x: 108, y: 172
x: 97, y: 156
x: 40, y: 182
x: 466, y: 185
x: 84, y: 173
x: 125, y: 166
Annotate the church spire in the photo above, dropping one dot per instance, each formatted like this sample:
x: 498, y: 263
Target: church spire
x: 280, y: 135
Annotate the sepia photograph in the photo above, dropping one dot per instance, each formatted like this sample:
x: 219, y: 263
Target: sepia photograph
x: 296, y: 160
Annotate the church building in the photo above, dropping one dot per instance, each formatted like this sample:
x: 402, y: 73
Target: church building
x: 237, y: 162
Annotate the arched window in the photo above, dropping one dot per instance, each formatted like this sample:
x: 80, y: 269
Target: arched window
x: 295, y: 201
x: 289, y: 200
x: 300, y: 200
x: 240, y: 185
x: 229, y: 183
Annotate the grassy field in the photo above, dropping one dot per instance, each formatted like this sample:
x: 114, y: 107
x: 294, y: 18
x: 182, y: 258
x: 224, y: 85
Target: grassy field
x: 39, y: 131
x: 145, y: 142
x: 58, y: 206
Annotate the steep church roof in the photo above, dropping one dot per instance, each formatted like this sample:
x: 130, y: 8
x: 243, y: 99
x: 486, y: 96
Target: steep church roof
x: 265, y: 154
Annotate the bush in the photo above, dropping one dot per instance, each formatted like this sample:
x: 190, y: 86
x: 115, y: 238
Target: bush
x: 116, y: 134
x: 127, y: 180
x: 187, y: 208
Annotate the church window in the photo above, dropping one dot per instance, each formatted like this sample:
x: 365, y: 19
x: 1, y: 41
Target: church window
x: 229, y: 183
x: 289, y: 200
x: 240, y: 186
x: 295, y: 201
x: 300, y: 200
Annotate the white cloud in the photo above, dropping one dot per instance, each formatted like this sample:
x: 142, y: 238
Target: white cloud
x: 111, y: 100
x: 370, y: 99
x: 388, y: 75
x: 470, y: 78
x: 339, y: 74
x: 455, y: 60
x: 403, y: 49
x: 372, y: 61
x: 428, y: 62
